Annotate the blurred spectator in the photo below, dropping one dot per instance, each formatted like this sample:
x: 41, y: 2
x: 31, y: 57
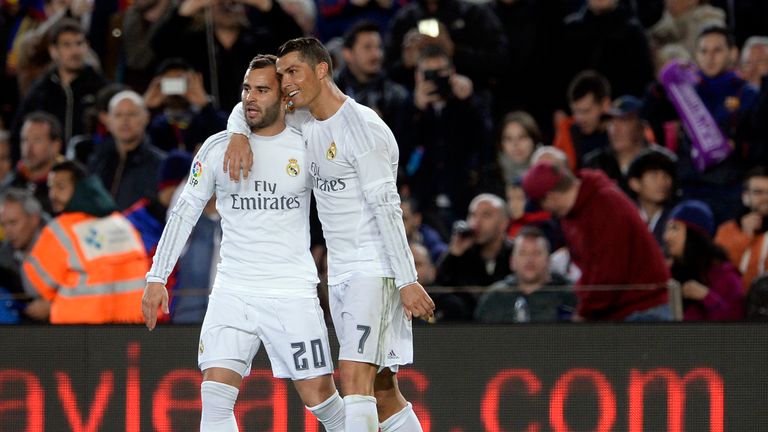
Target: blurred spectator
x: 744, y: 17
x: 186, y: 116
x: 605, y: 237
x: 521, y: 214
x: 520, y: 136
x: 197, y: 268
x: 478, y: 255
x: 744, y: 238
x: 417, y: 231
x: 534, y: 30
x: 241, y: 29
x: 550, y: 154
x: 448, y: 136
x: 335, y: 17
x: 626, y: 136
x: 363, y: 79
x: 40, y: 150
x: 682, y: 22
x: 6, y: 161
x: 730, y: 101
x: 22, y: 219
x: 34, y: 55
x: 88, y: 262
x: 425, y: 267
x: 470, y: 33
x: 754, y: 60
x: 711, y: 285
x: 589, y: 97
x: 533, y: 299
x: 124, y: 160
x: 81, y: 147
x: 652, y: 181
x: 70, y: 85
x: 604, y: 36
x: 148, y: 215
x: 127, y: 51
x: 304, y: 12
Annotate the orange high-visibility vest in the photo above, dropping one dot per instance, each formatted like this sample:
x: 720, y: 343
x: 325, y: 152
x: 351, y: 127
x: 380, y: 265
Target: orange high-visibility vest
x: 91, y: 269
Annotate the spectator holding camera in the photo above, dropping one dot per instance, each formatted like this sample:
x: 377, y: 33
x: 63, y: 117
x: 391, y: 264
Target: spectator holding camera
x: 448, y: 136
x: 186, y: 116
x: 478, y: 254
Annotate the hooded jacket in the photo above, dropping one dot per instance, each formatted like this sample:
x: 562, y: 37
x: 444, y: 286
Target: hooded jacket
x: 89, y: 261
x: 611, y: 245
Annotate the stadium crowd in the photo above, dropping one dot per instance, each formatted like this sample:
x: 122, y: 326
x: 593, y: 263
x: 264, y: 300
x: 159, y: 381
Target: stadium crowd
x: 559, y: 161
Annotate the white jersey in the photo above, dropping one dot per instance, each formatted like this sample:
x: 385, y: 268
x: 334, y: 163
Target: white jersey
x: 265, y: 219
x: 353, y: 159
x: 335, y: 146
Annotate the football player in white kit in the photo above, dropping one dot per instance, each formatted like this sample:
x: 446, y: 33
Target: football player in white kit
x: 372, y: 279
x: 265, y: 287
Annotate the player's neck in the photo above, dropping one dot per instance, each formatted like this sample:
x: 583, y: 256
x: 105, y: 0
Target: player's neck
x: 328, y: 102
x: 271, y: 130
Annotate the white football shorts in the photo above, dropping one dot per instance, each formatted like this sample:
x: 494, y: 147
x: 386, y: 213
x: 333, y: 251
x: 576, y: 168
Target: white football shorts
x: 370, y: 322
x: 292, y: 329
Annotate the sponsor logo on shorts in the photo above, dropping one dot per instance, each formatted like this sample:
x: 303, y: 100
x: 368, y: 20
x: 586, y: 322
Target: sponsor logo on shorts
x: 392, y: 355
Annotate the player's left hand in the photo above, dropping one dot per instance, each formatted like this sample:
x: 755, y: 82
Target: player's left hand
x: 416, y: 301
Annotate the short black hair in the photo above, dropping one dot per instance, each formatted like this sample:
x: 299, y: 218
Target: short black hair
x: 75, y: 168
x: 66, y: 25
x: 173, y: 63
x: 431, y: 51
x: 716, y: 29
x: 311, y: 51
x: 589, y: 82
x: 364, y: 26
x: 54, y: 125
x: 652, y: 160
x: 758, y: 171
x: 261, y: 61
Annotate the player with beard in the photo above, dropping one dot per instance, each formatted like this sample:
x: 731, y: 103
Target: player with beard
x: 373, y: 291
x: 265, y: 287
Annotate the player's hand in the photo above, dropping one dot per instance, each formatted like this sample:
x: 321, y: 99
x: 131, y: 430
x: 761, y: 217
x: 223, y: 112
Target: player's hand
x: 416, y: 301
x: 238, y: 157
x: 155, y: 296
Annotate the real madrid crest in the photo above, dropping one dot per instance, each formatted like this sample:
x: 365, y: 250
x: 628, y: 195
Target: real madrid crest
x: 331, y: 153
x: 293, y: 168
x: 202, y: 347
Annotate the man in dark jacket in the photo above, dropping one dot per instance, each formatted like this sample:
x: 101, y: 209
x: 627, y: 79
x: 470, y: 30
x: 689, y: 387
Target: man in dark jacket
x: 608, y: 242
x: 127, y: 163
x: 69, y: 87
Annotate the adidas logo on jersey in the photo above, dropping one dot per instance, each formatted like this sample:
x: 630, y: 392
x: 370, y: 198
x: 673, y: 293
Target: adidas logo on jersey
x: 392, y: 355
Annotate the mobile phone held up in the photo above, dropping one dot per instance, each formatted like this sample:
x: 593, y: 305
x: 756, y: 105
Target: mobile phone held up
x: 441, y: 80
x: 173, y: 86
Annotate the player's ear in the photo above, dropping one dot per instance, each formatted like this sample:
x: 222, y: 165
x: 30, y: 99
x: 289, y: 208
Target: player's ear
x: 321, y: 70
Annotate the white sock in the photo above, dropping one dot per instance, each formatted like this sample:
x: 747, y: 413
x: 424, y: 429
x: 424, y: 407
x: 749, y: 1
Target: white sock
x: 330, y: 413
x: 360, y: 414
x: 218, y: 407
x: 403, y: 421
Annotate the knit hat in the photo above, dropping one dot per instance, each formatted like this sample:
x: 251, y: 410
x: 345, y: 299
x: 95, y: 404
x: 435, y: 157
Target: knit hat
x: 694, y: 214
x: 540, y: 179
x: 174, y: 169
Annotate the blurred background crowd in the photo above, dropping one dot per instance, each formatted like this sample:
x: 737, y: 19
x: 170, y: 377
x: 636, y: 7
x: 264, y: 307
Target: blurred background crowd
x: 560, y: 160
